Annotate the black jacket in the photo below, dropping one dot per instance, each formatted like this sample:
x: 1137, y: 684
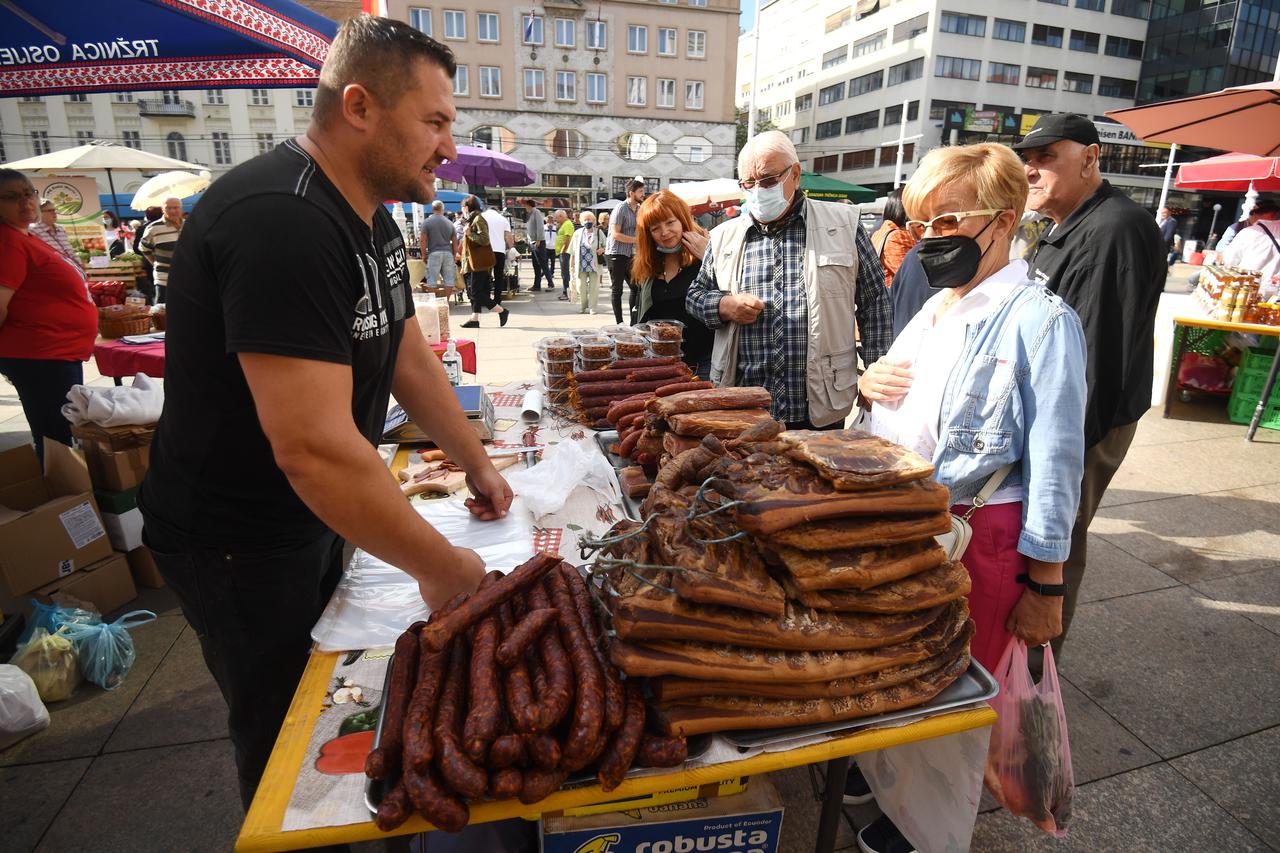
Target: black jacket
x: 1107, y: 261
x: 910, y: 290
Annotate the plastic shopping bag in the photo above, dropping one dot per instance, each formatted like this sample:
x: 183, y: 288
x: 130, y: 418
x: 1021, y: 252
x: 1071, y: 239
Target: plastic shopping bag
x: 1029, y: 760
x: 51, y: 617
x: 21, y: 711
x: 106, y: 652
x: 50, y: 660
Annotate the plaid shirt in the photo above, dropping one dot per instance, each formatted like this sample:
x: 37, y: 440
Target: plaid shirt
x: 773, y: 351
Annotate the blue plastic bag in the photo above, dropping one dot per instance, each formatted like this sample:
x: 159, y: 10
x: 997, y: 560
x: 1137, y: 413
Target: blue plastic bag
x: 106, y: 652
x: 51, y: 617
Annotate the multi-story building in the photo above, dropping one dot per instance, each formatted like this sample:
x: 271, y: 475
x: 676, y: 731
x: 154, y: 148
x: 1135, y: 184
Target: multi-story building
x: 1194, y: 47
x: 848, y: 79
x: 216, y: 128
x: 590, y: 95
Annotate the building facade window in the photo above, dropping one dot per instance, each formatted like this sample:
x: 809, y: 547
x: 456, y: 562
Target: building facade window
x: 830, y: 94
x: 828, y: 129
x: 865, y: 83
x: 455, y: 24
x: 911, y: 28
x: 260, y: 97
x: 666, y: 93
x: 486, y: 27
x: 1007, y: 30
x: 889, y: 154
x: 462, y: 81
x: 667, y: 41
x: 566, y: 32
x: 1055, y: 2
x: 938, y: 109
x: 566, y: 86
x: 221, y: 148
x: 698, y: 3
x: 692, y: 149
x: 904, y: 71
x: 78, y: 98
x: 304, y: 97
x: 824, y: 165
x: 127, y: 97
x: 800, y: 136
x: 804, y: 102
x: 1073, y: 81
x: 862, y: 121
x: 1002, y: 72
x: 637, y: 146
x: 265, y: 142
x: 420, y: 19
x: 596, y: 86
x: 1092, y: 5
x: 1115, y: 87
x: 490, y: 81
x: 1124, y: 48
x: 957, y: 68
x: 1041, y: 78
x: 870, y: 44
x: 597, y: 35
x: 1046, y: 36
x: 214, y: 97
x: 637, y: 39
x: 837, y: 21
x: 176, y: 146
x: 566, y: 143
x: 1083, y: 41
x: 837, y: 56
x: 534, y: 29
x: 568, y: 182
x: 893, y: 115
x: 963, y: 25
x: 84, y: 137
x: 694, y: 94
x: 131, y: 139
x: 637, y: 95
x: 535, y: 84
x: 696, y: 44
x: 1140, y: 9
x: 859, y: 159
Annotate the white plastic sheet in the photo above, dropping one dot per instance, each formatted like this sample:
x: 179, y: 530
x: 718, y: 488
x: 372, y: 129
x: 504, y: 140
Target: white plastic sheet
x: 564, y: 467
x: 375, y: 601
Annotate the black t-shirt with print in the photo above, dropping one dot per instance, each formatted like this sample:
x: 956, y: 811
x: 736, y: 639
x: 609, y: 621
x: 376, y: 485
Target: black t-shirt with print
x: 274, y: 261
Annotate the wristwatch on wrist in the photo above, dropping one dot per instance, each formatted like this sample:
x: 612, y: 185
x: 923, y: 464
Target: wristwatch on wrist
x: 1047, y: 589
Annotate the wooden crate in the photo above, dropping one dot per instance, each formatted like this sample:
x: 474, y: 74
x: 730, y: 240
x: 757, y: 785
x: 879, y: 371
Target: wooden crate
x: 114, y: 272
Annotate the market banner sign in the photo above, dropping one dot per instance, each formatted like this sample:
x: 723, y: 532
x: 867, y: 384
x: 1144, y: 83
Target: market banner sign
x: 1118, y: 134
x: 63, y: 47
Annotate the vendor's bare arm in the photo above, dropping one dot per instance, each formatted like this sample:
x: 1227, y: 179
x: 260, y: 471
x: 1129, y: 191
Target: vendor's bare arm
x: 421, y: 387
x: 304, y: 407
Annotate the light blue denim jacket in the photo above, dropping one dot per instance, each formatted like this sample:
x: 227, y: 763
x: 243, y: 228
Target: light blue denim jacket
x: 1017, y: 394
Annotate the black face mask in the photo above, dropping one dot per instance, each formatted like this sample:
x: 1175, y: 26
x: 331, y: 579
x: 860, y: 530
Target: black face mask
x: 952, y: 261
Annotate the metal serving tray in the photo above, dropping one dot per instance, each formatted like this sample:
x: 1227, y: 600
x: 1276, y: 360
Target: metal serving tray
x: 630, y: 504
x: 973, y: 686
x: 376, y: 789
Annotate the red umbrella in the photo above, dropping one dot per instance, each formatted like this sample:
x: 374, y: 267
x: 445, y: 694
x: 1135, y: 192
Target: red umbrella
x: 1231, y: 173
x: 1247, y: 118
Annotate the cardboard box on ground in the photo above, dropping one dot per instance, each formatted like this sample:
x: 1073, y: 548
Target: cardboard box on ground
x: 749, y: 822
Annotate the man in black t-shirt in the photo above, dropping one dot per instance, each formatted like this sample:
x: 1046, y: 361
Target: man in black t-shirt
x: 284, y: 345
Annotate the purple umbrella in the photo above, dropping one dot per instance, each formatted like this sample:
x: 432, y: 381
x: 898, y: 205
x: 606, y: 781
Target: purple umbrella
x: 481, y: 167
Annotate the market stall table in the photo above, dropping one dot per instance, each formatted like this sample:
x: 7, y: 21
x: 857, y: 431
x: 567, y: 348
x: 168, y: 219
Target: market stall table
x: 118, y: 359
x: 1203, y: 325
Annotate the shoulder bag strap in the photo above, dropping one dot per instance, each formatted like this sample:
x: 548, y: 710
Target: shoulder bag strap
x: 1270, y: 236
x: 989, y: 488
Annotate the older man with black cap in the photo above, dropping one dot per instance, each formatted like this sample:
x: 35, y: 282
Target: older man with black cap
x: 1104, y: 256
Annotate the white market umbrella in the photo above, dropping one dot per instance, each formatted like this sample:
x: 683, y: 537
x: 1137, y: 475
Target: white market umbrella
x: 714, y: 194
x: 170, y: 185
x: 100, y: 156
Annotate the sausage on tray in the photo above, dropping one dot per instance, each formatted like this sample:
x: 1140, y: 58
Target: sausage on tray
x: 506, y: 783
x: 674, y: 372
x: 436, y: 802
x: 588, y: 711
x: 507, y: 751
x: 523, y: 634
x: 394, y: 809
x: 614, y: 701
x: 628, y: 444
x: 419, y: 718
x: 661, y: 751
x: 438, y: 632
x: 626, y: 741
x: 385, y: 760
x: 554, y: 700
x: 626, y: 407
x: 484, y: 690
x: 632, y: 363
x: 543, y: 750
x: 459, y: 771
x: 679, y: 387
x: 540, y: 784
x: 519, y: 691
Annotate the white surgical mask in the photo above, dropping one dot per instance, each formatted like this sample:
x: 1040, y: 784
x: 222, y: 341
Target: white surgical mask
x: 767, y: 205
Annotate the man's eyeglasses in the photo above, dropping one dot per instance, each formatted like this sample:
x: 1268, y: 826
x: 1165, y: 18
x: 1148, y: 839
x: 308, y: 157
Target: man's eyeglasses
x: 945, y: 224
x: 20, y: 195
x: 764, y: 183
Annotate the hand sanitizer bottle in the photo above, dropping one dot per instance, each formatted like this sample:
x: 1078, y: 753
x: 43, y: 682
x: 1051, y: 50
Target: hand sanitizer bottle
x: 452, y: 364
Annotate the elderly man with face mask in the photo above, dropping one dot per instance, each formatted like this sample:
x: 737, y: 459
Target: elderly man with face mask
x: 1105, y: 257
x: 783, y: 288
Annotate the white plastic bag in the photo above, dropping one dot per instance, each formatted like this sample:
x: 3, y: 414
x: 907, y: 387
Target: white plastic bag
x: 546, y: 486
x: 21, y: 711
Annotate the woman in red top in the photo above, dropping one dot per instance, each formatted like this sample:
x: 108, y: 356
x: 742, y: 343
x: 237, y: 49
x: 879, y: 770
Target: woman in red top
x: 47, y: 323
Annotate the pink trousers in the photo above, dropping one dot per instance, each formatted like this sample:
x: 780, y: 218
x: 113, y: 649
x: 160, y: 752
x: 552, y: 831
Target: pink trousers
x: 993, y: 562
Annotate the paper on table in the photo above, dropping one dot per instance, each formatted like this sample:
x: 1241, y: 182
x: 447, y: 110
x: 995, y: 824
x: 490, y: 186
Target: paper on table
x: 531, y: 407
x: 375, y: 601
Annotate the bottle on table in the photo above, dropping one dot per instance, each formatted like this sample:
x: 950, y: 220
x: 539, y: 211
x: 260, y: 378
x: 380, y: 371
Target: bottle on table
x: 452, y: 364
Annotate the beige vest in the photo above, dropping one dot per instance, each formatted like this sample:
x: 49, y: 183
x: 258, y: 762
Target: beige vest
x: 830, y: 277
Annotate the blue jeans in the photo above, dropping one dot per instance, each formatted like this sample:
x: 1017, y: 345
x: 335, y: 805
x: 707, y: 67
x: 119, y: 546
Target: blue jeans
x: 440, y: 265
x: 42, y: 385
x: 564, y: 272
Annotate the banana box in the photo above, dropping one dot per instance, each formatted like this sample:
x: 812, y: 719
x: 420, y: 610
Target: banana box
x: 749, y: 822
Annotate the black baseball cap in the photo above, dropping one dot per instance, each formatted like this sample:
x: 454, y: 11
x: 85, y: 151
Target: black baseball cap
x: 1057, y: 127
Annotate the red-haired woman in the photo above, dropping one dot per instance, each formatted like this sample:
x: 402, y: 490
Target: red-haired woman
x: 669, y: 249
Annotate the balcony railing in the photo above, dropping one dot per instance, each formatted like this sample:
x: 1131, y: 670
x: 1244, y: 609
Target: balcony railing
x: 164, y: 109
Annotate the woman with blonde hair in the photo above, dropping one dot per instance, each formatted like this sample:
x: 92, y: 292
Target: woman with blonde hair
x: 987, y: 381
x: 586, y: 259
x: 668, y: 257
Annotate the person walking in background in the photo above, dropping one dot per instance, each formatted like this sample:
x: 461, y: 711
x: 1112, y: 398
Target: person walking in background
x: 500, y: 239
x: 891, y: 240
x: 668, y: 258
x: 553, y: 225
x: 160, y: 241
x: 111, y: 234
x: 564, y: 233
x: 1168, y: 233
x: 479, y: 261
x: 438, y: 243
x: 53, y: 234
x: 47, y: 323
x: 535, y: 231
x: 622, y: 247
x: 586, y: 257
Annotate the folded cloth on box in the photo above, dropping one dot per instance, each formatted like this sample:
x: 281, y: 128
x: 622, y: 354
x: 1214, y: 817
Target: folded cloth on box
x: 139, y: 403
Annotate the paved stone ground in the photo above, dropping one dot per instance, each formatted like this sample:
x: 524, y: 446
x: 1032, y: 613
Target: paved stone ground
x: 1172, y: 685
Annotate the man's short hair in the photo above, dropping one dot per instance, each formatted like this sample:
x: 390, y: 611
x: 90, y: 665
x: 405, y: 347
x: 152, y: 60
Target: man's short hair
x: 633, y: 185
x: 437, y: 206
x: 764, y: 144
x: 377, y: 53
x: 993, y: 172
x: 1266, y: 207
